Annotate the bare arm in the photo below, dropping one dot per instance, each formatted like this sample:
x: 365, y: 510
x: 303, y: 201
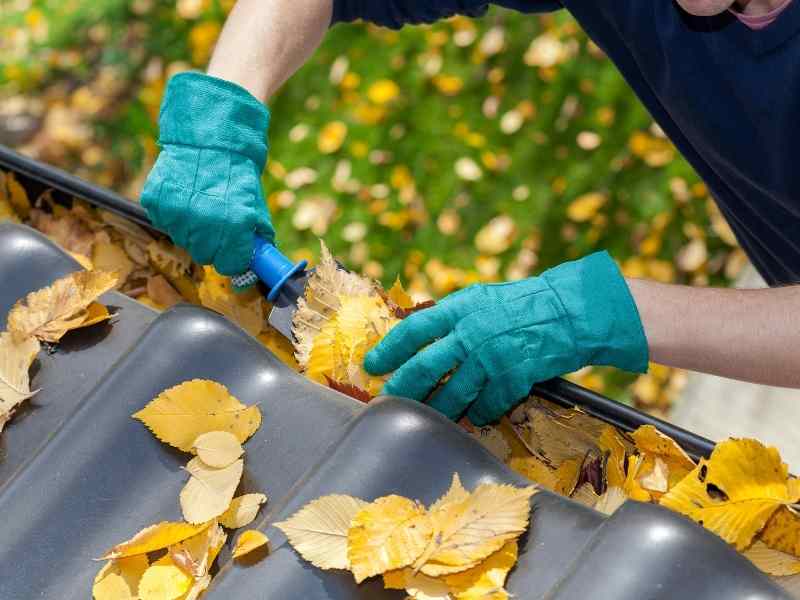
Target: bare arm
x: 265, y: 41
x: 753, y: 335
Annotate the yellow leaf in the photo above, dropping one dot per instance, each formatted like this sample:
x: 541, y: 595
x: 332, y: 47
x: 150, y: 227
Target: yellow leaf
x: 399, y: 296
x: 242, y: 511
x: 487, y: 579
x: 95, y: 313
x: 496, y: 236
x: 468, y: 532
x: 611, y: 500
x: 169, y: 260
x: 248, y: 541
x: 566, y: 476
x: 416, y: 585
x: 119, y: 579
x: 15, y: 361
x: 782, y: 531
x: 65, y: 229
x: 209, y: 491
x: 735, y: 491
x: 17, y: 196
x: 332, y: 137
x: 319, y: 530
x: 50, y: 312
x: 217, y: 449
x: 276, y: 343
x: 243, y: 308
x: 534, y: 470
x: 196, y: 554
x: 387, y: 534
x: 583, y: 208
x: 632, y: 485
x: 181, y: 413
x: 107, y: 256
x: 155, y: 537
x: 164, y: 580
x: 161, y: 292
x: 771, y: 561
x: 657, y: 480
x: 82, y: 260
x: 455, y: 495
x: 610, y: 442
x: 585, y: 495
x: 650, y: 440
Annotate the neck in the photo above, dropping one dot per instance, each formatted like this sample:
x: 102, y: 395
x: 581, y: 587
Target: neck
x: 758, y: 7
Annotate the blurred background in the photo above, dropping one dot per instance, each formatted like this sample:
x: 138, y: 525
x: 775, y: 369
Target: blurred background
x: 472, y: 150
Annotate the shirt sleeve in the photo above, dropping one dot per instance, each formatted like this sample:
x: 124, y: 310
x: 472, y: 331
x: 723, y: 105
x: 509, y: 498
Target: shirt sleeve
x: 396, y: 13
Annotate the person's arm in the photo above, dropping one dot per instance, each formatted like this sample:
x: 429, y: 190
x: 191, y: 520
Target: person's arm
x: 753, y: 335
x: 265, y: 41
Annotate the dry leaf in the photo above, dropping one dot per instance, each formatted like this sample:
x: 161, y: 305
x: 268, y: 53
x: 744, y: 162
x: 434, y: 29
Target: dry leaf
x: 319, y: 530
x: 217, y: 449
x: 735, y: 491
x: 50, y: 312
x: 468, y: 532
x: 209, y: 491
x: 15, y: 361
x: 586, y: 495
x: 196, y: 554
x: 399, y: 296
x: 247, y: 309
x: 171, y: 261
x: 534, y: 470
x: 771, y: 561
x: 387, y: 534
x: 161, y: 292
x: 611, y: 442
x: 107, y: 256
x: 416, y: 585
x: 782, y: 531
x: 491, y: 439
x: 119, y: 579
x: 155, y: 537
x: 164, y: 580
x: 610, y: 500
x: 248, y: 541
x: 67, y: 230
x: 485, y: 581
x: 455, y: 495
x: 181, y: 413
x: 242, y: 511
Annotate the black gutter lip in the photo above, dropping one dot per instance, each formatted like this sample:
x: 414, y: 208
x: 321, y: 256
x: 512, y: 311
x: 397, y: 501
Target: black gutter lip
x: 557, y: 390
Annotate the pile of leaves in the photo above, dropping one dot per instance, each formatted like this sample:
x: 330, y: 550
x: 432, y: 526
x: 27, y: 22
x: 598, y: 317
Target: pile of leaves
x: 742, y: 492
x: 149, y: 267
x: 173, y: 560
x: 462, y: 547
x: 45, y: 316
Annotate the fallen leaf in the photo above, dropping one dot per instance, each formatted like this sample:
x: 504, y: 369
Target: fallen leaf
x: 319, y: 530
x: 399, y: 296
x: 611, y: 443
x: 119, y: 579
x: 534, y: 470
x: 485, y: 581
x: 771, y: 561
x: 161, y: 292
x: 16, y: 359
x: 164, y: 580
x: 455, y: 495
x: 217, y: 449
x: 416, y: 585
x: 782, y: 531
x: 107, y: 256
x: 468, y: 532
x: 209, y: 491
x: 242, y: 511
x: 735, y: 491
x: 246, y: 309
x: 68, y: 231
x: 348, y: 389
x: 586, y: 206
x: 387, y: 534
x: 155, y: 537
x: 181, y: 413
x: 610, y: 500
x: 585, y: 495
x: 50, y: 312
x: 248, y: 541
x: 490, y: 438
x: 196, y: 554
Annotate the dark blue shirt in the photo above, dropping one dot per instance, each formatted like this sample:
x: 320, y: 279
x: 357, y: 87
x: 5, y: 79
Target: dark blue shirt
x: 728, y: 97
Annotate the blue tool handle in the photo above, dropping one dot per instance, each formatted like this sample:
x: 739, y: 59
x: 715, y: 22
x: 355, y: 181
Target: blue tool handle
x: 270, y: 266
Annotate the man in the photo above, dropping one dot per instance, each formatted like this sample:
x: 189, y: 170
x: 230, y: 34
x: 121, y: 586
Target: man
x: 718, y: 77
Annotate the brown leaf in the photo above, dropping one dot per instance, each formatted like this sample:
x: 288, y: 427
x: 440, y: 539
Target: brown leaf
x: 349, y: 390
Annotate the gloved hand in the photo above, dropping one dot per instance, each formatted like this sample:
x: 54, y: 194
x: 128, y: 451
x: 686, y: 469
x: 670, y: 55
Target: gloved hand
x: 205, y: 188
x: 503, y: 338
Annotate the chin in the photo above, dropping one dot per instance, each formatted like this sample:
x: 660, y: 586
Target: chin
x: 705, y: 8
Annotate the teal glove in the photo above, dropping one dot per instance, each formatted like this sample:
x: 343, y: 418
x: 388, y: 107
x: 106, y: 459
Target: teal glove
x: 503, y: 338
x: 205, y: 188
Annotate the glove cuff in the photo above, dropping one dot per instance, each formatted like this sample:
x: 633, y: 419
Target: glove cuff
x: 208, y: 112
x: 602, y: 311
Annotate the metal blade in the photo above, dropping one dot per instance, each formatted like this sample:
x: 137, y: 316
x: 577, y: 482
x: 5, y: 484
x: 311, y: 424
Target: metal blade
x: 285, y: 305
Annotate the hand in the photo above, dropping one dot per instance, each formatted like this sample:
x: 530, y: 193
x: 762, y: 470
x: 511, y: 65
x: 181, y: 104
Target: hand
x: 502, y: 338
x: 205, y: 188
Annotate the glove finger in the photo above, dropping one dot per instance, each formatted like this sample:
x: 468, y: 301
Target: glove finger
x: 236, y: 246
x: 406, y: 338
x: 174, y: 212
x: 462, y: 388
x: 501, y: 394
x: 417, y: 377
x: 206, y: 229
x: 264, y: 227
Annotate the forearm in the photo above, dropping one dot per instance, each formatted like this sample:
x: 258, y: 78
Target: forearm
x: 751, y: 335
x: 265, y: 41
